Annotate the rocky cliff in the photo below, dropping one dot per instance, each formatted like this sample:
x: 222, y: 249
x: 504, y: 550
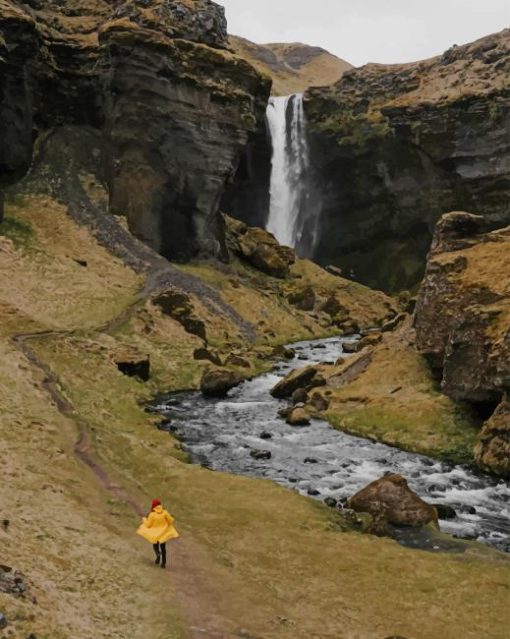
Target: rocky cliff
x: 462, y: 325
x: 396, y: 146
x: 172, y: 106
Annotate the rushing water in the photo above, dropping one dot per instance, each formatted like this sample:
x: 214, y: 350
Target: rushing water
x: 289, y: 167
x: 320, y: 461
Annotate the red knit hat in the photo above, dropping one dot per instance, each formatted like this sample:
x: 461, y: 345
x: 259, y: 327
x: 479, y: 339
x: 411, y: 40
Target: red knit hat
x: 155, y: 502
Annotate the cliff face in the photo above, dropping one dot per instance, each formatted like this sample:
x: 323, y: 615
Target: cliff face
x: 462, y: 324
x: 18, y: 46
x: 396, y: 146
x: 173, y: 106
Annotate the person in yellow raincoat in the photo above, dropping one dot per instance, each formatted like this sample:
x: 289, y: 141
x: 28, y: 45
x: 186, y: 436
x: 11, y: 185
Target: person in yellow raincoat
x: 157, y: 528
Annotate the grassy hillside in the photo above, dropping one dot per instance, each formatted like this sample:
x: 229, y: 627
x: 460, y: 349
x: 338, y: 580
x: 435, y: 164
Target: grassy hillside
x: 293, y: 67
x: 254, y: 560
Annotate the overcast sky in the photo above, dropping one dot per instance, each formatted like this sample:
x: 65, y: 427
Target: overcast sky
x: 363, y: 31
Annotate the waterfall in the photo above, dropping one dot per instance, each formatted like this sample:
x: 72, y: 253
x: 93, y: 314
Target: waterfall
x: 289, y: 187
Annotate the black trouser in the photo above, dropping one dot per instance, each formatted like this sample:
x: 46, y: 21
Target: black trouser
x: 160, y: 550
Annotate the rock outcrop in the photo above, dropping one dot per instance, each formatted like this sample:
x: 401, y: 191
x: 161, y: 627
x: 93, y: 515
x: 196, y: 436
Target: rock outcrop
x: 392, y: 498
x: 217, y: 382
x: 158, y: 82
x: 462, y: 323
x: 260, y: 249
x: 395, y: 146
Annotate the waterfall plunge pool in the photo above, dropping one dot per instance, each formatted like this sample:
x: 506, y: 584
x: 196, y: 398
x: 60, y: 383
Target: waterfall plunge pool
x: 320, y: 461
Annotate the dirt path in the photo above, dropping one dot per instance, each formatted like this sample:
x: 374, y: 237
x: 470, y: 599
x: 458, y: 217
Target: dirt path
x: 197, y: 599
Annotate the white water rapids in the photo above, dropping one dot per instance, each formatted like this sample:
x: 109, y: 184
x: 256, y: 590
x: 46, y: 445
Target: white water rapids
x: 289, y: 167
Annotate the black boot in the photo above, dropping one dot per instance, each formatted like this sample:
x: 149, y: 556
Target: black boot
x: 158, y: 555
x: 163, y: 555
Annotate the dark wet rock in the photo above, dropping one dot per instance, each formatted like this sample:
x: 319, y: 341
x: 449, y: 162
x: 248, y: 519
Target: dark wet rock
x: 331, y: 502
x: 204, y: 354
x: 217, y: 382
x: 470, y: 510
x: 179, y: 306
x: 310, y: 460
x: 444, y: 511
x: 402, y: 507
x: 305, y: 378
x: 313, y: 492
x: 265, y: 435
x: 304, y: 299
x: 298, y: 416
x: 299, y: 396
x: 260, y: 454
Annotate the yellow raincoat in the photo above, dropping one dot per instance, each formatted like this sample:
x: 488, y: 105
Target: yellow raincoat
x: 158, y: 527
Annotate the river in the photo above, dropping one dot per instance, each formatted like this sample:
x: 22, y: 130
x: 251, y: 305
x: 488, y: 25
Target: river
x: 320, y: 461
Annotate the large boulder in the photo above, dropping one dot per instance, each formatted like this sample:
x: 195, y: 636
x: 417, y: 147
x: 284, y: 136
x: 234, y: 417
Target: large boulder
x: 392, y: 496
x: 305, y: 378
x: 298, y: 416
x: 260, y: 249
x: 218, y: 381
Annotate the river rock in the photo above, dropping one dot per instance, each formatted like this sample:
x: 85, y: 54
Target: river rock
x: 265, y: 435
x: 298, y: 417
x: 402, y: 507
x: 305, y: 378
x: 299, y: 396
x: 350, y: 347
x: 260, y: 454
x: 331, y: 502
x: 445, y: 511
x: 217, y: 382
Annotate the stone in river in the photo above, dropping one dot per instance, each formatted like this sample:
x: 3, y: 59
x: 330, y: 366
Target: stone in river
x: 265, y: 435
x: 313, y: 492
x: 217, y: 382
x: 310, y: 460
x: 445, y: 511
x: 331, y: 502
x: 298, y: 417
x: 260, y: 454
x: 402, y: 507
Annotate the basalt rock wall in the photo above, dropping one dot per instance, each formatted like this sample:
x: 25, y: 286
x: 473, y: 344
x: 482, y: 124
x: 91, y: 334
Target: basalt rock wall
x: 174, y: 106
x: 463, y: 324
x: 394, y: 147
